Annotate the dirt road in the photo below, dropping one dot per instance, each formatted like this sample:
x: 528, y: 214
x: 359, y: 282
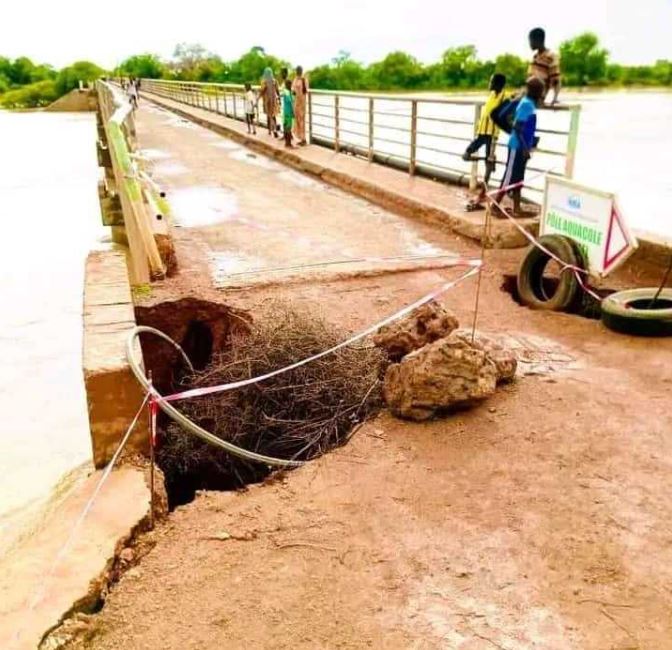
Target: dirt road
x: 538, y: 520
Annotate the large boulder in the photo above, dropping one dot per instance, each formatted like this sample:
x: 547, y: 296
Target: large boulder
x: 424, y: 325
x: 442, y: 376
x: 504, y: 359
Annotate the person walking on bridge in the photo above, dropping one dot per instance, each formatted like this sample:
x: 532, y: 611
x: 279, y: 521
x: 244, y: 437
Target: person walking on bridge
x: 300, y: 90
x: 269, y: 95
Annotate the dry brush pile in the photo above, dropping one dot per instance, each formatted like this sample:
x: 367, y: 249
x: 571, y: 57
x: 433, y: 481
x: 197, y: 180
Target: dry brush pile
x: 296, y: 415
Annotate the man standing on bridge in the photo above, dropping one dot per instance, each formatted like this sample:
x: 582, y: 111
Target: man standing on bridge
x: 545, y: 64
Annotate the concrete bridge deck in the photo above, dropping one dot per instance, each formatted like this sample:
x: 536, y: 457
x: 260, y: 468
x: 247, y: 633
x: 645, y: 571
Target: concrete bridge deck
x: 246, y: 211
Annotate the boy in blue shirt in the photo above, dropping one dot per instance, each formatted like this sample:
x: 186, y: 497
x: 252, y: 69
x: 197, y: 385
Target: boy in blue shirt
x: 287, y: 112
x: 521, y: 141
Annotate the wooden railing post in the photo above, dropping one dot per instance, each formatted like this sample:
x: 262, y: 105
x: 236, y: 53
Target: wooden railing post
x: 414, y: 136
x: 235, y: 110
x: 337, y: 125
x: 473, y: 174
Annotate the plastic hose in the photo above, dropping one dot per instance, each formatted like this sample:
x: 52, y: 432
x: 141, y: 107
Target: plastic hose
x: 182, y: 419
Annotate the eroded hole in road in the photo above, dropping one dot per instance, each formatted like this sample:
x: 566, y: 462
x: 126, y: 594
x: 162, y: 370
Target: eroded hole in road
x: 297, y: 415
x: 585, y: 306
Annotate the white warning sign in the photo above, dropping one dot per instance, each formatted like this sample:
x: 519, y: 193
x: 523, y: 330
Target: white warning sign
x: 592, y: 219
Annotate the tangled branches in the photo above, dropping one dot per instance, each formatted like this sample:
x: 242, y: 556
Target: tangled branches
x: 299, y: 414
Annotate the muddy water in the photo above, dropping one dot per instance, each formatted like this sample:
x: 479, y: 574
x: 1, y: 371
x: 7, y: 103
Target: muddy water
x: 50, y: 220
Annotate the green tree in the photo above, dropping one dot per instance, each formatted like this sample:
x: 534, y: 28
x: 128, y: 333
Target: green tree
x: 21, y: 70
x: 583, y: 61
x: 662, y: 72
x: 397, y: 70
x: 69, y: 78
x: 188, y: 57
x: 513, y: 67
x: 250, y: 67
x: 31, y: 95
x: 147, y: 66
x: 456, y: 67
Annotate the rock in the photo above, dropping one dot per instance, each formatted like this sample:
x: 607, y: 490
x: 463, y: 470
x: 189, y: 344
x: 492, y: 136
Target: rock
x: 441, y: 376
x: 127, y: 556
x: 422, y: 326
x: 504, y: 360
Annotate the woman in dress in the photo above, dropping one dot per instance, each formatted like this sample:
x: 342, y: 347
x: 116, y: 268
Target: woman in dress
x: 300, y: 90
x: 268, y: 93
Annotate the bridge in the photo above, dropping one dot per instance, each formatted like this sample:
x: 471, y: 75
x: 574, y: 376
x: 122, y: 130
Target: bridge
x: 205, y: 208
x: 507, y: 525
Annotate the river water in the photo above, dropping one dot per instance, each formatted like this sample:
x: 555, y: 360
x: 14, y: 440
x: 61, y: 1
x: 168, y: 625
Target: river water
x: 625, y: 146
x: 50, y: 220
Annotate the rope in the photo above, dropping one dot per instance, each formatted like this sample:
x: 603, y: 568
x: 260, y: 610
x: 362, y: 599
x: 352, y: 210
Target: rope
x: 41, y: 592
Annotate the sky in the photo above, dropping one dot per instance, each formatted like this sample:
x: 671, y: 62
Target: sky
x: 310, y: 32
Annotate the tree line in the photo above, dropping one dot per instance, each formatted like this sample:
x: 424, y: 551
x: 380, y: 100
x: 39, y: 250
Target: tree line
x: 584, y: 63
x: 24, y: 84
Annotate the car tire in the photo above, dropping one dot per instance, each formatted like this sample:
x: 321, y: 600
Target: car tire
x: 530, y: 281
x: 629, y: 312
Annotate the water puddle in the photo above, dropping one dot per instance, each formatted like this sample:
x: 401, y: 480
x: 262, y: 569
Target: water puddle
x: 169, y: 169
x: 246, y: 156
x: 203, y: 206
x: 424, y: 248
x: 181, y: 123
x: 300, y: 180
x: 152, y: 154
x: 224, y: 263
x: 227, y: 145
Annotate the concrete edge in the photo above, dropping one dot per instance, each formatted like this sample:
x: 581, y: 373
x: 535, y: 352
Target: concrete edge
x: 112, y: 392
x: 500, y: 235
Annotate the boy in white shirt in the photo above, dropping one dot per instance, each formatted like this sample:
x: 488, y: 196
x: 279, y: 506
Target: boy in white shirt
x: 250, y: 108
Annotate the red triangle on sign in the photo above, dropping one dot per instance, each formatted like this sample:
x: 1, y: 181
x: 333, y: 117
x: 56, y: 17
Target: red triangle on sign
x: 610, y: 258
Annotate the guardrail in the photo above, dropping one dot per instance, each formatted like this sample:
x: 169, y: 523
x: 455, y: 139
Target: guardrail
x: 425, y: 135
x: 123, y: 182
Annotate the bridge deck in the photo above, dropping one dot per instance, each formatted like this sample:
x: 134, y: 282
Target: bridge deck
x: 247, y: 211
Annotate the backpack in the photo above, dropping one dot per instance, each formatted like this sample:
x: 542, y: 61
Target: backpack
x: 504, y: 114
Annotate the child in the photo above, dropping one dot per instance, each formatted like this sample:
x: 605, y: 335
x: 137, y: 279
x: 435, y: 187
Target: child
x: 486, y: 136
x: 545, y: 64
x: 287, y: 112
x: 250, y: 105
x: 132, y: 94
x: 521, y: 141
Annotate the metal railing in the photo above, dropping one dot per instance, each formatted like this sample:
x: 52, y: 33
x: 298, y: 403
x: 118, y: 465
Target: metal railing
x: 424, y: 135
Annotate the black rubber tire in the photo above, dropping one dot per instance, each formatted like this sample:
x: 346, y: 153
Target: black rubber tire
x: 530, y: 275
x: 627, y: 312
